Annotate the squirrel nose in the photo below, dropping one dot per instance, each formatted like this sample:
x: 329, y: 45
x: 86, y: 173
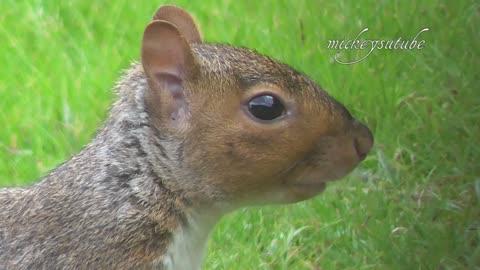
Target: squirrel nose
x: 362, y: 139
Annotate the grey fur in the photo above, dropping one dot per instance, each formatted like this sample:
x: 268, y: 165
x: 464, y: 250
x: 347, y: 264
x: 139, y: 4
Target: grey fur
x: 99, y: 209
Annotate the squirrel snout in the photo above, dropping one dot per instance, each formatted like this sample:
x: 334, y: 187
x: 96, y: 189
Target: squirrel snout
x: 362, y: 139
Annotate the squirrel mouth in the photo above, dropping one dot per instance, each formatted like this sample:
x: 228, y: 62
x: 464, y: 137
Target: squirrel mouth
x: 305, y: 182
x: 304, y: 177
x: 304, y: 191
x: 306, y: 173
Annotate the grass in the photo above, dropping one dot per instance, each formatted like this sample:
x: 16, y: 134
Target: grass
x: 413, y: 204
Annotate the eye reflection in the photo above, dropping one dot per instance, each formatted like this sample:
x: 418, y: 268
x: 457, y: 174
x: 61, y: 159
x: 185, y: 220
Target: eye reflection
x: 266, y: 107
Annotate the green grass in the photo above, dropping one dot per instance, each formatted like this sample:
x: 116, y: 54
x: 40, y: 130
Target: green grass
x: 413, y: 204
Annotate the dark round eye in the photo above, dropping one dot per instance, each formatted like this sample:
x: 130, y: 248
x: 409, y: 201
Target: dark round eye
x: 266, y: 107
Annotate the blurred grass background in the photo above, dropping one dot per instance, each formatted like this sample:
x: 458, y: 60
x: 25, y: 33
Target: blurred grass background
x: 413, y: 204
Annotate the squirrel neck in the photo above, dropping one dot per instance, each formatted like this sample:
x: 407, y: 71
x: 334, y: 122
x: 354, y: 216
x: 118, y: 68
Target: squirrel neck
x: 140, y: 156
x: 153, y: 164
x: 131, y: 168
x: 130, y: 161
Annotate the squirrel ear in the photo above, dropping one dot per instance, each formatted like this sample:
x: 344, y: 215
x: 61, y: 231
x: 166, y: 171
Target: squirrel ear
x: 182, y: 20
x: 167, y: 61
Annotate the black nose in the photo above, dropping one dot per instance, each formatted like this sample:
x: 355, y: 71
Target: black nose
x: 362, y: 140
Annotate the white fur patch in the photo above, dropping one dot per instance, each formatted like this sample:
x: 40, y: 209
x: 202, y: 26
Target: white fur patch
x: 189, y: 243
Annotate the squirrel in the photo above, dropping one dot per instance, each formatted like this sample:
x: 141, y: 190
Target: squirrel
x: 197, y: 130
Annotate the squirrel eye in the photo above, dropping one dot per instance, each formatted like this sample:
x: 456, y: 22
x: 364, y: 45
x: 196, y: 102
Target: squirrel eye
x: 266, y: 107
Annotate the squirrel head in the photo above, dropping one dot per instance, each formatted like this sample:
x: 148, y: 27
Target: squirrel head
x: 252, y: 130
